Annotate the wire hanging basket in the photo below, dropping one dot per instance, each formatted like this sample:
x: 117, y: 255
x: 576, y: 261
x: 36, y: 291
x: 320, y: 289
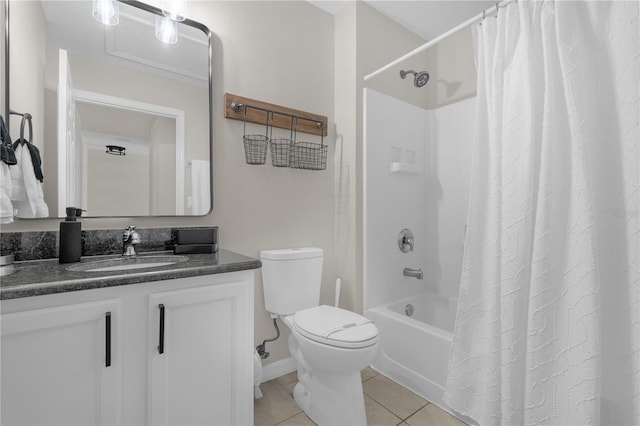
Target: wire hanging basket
x: 280, y: 151
x: 281, y: 148
x: 255, y: 146
x: 308, y: 155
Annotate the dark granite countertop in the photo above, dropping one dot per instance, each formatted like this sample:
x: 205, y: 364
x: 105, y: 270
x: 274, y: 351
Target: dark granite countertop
x: 39, y: 277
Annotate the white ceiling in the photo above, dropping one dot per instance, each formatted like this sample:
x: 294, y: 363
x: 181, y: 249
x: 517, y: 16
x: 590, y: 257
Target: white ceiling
x: 427, y: 18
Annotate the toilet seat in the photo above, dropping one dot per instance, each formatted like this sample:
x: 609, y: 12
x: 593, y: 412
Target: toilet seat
x: 336, y: 327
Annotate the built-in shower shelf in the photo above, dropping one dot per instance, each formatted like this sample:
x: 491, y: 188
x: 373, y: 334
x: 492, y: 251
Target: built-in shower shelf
x: 403, y: 168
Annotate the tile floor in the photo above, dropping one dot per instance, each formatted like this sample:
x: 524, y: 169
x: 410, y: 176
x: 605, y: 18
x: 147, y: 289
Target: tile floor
x: 386, y: 402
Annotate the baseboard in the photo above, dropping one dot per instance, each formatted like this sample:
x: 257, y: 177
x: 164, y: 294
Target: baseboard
x: 278, y: 368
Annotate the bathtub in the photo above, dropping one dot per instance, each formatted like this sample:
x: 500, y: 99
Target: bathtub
x: 414, y: 350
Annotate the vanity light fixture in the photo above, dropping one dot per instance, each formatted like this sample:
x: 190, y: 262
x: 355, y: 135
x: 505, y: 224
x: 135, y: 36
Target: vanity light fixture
x: 116, y: 150
x: 166, y: 30
x: 174, y: 9
x: 106, y: 11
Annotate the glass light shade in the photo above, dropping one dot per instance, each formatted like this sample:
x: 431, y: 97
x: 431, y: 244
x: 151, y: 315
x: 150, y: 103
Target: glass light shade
x: 166, y: 30
x: 175, y: 9
x: 106, y: 11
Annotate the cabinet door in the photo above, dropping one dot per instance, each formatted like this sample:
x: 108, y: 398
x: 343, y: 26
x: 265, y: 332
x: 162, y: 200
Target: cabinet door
x: 201, y: 355
x: 61, y: 365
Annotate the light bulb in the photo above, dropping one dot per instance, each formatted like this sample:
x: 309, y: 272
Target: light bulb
x: 106, y: 11
x: 166, y: 30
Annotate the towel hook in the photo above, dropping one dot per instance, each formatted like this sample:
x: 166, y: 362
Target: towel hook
x: 26, y: 117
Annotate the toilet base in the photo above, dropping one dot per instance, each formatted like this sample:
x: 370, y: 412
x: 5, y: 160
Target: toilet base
x: 332, y: 400
x: 328, y: 398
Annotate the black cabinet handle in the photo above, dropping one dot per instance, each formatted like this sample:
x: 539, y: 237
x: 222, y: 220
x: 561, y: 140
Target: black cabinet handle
x: 107, y: 343
x: 161, y: 337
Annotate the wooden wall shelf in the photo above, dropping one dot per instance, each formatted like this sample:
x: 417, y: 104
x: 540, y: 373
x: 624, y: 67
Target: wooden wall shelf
x: 281, y: 115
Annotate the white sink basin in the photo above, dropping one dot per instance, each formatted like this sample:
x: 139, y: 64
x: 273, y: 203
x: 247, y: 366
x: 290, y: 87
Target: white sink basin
x: 127, y: 263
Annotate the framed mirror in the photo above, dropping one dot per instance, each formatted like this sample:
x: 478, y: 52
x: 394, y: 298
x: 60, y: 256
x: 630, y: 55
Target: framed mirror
x: 120, y: 95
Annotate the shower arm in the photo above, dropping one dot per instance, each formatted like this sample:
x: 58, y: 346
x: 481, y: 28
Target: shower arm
x: 403, y: 73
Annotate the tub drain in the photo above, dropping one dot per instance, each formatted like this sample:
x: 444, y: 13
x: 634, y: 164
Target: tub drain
x: 408, y: 309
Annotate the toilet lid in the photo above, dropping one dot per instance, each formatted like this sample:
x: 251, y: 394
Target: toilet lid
x: 336, y: 327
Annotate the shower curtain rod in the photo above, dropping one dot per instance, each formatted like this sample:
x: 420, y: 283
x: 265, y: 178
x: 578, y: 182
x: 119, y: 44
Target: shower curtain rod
x: 479, y: 17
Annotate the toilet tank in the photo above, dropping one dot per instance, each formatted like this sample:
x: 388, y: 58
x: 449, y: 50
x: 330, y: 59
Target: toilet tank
x: 291, y: 279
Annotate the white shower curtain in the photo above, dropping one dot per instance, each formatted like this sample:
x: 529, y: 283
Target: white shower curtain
x: 548, y: 323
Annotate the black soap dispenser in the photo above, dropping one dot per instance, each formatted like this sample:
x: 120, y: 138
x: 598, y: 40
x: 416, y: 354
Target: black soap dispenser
x: 70, y: 237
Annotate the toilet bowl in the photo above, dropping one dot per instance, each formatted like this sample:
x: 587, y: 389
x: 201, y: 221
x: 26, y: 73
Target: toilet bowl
x: 330, y: 345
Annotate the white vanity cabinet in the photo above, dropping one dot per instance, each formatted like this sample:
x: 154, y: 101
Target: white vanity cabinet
x: 201, y: 365
x: 60, y: 365
x: 181, y: 353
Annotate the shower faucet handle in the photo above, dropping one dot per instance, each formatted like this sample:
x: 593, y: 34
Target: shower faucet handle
x: 405, y: 241
x: 408, y: 241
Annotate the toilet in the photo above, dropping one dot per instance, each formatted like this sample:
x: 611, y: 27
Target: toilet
x: 330, y: 345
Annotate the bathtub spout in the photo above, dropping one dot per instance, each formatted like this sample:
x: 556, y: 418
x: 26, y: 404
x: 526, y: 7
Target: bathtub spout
x: 415, y: 273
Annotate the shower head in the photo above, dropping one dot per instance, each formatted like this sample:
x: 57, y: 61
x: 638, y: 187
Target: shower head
x: 421, y: 78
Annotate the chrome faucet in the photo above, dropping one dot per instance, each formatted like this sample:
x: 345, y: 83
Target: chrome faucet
x: 130, y: 237
x: 415, y: 273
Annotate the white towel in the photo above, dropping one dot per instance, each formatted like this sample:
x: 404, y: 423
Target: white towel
x: 200, y: 178
x: 26, y: 195
x: 18, y: 191
x: 6, y: 207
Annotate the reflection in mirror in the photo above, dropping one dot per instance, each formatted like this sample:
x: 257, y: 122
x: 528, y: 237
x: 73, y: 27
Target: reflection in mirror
x: 148, y: 148
x: 96, y: 85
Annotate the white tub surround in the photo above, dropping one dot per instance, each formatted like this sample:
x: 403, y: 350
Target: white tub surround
x: 417, y: 165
